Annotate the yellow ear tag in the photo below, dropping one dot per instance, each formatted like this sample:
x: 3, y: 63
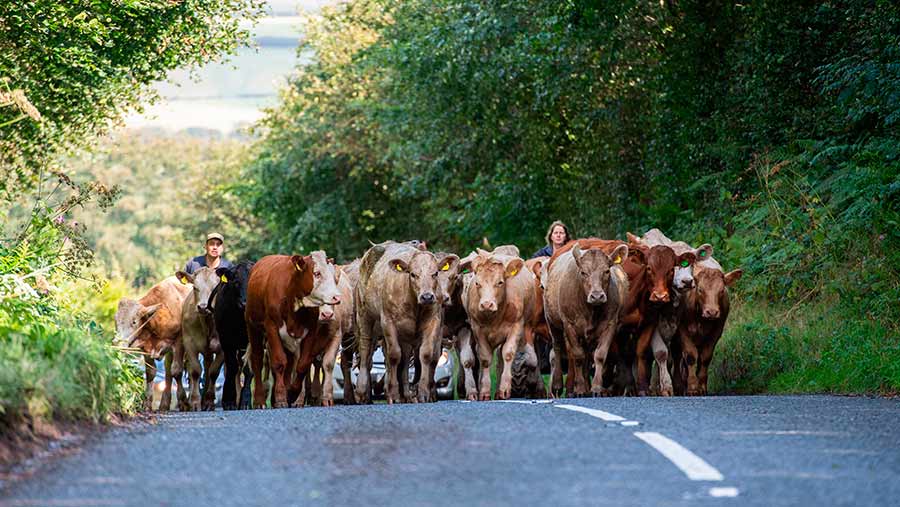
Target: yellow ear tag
x: 224, y: 279
x: 184, y: 280
x: 618, y: 260
x: 445, y: 267
x: 514, y: 272
x: 399, y: 268
x: 297, y: 267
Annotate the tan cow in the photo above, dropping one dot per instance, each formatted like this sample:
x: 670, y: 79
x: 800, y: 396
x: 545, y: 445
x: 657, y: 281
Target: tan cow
x: 153, y: 324
x: 703, y: 319
x: 398, y: 297
x: 584, y: 301
x: 335, y: 322
x: 200, y: 338
x: 499, y: 299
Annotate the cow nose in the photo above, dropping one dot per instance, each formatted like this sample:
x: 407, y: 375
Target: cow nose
x: 659, y: 297
x: 336, y: 300
x: 201, y: 307
x: 427, y: 298
x: 688, y: 284
x: 489, y: 306
x: 597, y: 297
x: 710, y: 313
x: 327, y: 314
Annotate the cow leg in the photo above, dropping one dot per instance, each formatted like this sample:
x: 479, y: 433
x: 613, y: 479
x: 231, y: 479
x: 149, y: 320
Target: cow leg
x: 256, y: 338
x: 604, y: 342
x: 346, y: 367
x: 149, y: 375
x: 364, y: 348
x: 576, y: 361
x: 194, y: 371
x: 706, y: 355
x: 661, y: 354
x: 232, y: 379
x: 165, y: 401
x: 507, y: 354
x: 178, y: 376
x: 467, y: 360
x: 689, y: 351
x: 408, y: 394
x: 430, y: 335
x: 329, y: 357
x: 485, y: 355
x: 278, y: 363
x: 212, y: 374
x: 392, y: 362
x: 675, y: 355
x: 244, y: 403
x: 557, y: 346
x: 640, y: 359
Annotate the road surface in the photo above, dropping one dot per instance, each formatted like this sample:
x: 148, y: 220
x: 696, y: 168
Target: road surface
x: 760, y: 450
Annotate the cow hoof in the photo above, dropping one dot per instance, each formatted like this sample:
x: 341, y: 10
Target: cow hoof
x: 228, y: 406
x: 280, y: 404
x: 472, y: 397
x: 666, y: 392
x: 642, y: 393
x: 327, y: 402
x: 298, y: 404
x: 503, y: 394
x: 485, y: 397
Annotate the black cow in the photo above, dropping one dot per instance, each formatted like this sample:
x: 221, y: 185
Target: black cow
x: 231, y: 300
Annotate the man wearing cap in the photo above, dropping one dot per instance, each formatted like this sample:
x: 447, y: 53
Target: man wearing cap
x: 215, y: 245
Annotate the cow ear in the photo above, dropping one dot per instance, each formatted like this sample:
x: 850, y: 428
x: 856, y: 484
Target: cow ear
x: 632, y: 238
x: 184, y: 278
x: 513, y: 267
x: 619, y: 255
x: 224, y: 274
x: 685, y: 260
x: 448, y: 262
x: 638, y: 254
x: 733, y: 276
x: 298, y: 262
x: 465, y: 264
x: 399, y: 265
x: 337, y: 274
x: 148, y: 312
x: 536, y: 268
x: 330, y: 260
x: 576, y: 254
x: 704, y: 252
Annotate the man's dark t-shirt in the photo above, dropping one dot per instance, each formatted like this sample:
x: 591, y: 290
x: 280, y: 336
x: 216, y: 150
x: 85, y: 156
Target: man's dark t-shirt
x: 200, y: 262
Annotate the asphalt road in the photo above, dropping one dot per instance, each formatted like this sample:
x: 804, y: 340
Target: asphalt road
x: 767, y: 451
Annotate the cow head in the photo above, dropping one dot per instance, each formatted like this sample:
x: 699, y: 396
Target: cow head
x: 131, y: 319
x: 448, y: 276
x: 490, y: 275
x: 422, y: 271
x: 593, y: 267
x: 711, y: 287
x: 659, y: 262
x: 234, y: 282
x: 683, y: 273
x: 316, y: 279
x: 204, y: 281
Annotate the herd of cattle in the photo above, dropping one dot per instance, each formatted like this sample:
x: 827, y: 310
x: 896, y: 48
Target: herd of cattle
x: 608, y: 309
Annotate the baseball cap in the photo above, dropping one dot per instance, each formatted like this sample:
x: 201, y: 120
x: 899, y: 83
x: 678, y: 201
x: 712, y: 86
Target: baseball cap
x: 215, y: 235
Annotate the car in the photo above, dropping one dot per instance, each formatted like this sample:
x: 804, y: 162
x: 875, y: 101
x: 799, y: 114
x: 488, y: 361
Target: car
x: 443, y: 376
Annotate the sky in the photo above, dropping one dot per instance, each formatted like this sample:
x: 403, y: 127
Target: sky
x: 227, y: 96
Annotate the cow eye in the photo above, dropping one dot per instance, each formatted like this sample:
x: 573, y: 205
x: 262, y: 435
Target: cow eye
x: 583, y: 273
x: 435, y: 275
x: 413, y: 275
x: 500, y: 282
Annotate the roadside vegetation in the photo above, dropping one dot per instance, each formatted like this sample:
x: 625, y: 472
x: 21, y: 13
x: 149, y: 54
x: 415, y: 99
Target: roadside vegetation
x: 69, y: 72
x: 766, y: 129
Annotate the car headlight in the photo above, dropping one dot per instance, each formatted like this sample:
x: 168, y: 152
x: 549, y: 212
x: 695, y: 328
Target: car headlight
x: 444, y: 358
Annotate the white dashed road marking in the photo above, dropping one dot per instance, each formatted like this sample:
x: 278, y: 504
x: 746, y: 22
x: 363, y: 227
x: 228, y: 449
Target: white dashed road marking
x: 692, y: 465
x: 723, y: 492
x: 599, y: 414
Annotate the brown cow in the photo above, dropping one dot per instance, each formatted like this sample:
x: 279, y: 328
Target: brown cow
x: 703, y: 319
x: 283, y: 296
x: 398, y: 297
x: 584, y: 301
x: 153, y: 324
x: 499, y: 300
